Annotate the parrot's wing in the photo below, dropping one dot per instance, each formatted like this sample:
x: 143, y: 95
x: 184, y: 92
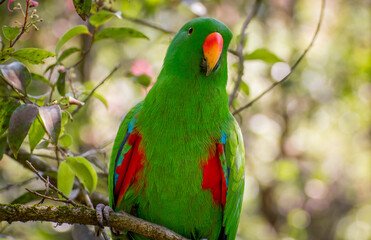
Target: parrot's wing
x: 125, y: 159
x: 235, y: 160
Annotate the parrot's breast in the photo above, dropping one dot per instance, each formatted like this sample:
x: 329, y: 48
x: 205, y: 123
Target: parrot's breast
x: 181, y: 128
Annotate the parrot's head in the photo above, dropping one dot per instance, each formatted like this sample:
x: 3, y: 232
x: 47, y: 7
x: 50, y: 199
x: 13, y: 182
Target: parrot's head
x: 199, y: 50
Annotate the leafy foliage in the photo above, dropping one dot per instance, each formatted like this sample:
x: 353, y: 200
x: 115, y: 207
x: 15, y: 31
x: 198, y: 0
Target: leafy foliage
x: 65, y: 178
x: 20, y: 123
x: 71, y: 33
x: 17, y: 75
x: 117, y: 33
x: 84, y: 171
x: 264, y: 55
x: 82, y: 8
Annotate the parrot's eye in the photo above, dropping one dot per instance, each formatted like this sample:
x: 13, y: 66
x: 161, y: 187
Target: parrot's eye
x: 190, y: 30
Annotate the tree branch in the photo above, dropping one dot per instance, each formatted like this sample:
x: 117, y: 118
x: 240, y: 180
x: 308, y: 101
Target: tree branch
x: 84, y: 215
x: 96, y: 87
x: 293, y: 67
x: 239, y: 51
x: 49, y: 184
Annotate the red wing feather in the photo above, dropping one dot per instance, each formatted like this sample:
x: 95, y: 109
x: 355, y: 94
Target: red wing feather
x: 129, y: 168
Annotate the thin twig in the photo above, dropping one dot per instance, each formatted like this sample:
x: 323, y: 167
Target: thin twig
x: 23, y: 29
x: 51, y: 185
x: 96, y: 87
x: 148, y: 24
x: 293, y: 67
x: 85, y: 53
x: 142, y: 22
x: 46, y: 190
x: 9, y: 186
x: 239, y: 51
x: 47, y: 197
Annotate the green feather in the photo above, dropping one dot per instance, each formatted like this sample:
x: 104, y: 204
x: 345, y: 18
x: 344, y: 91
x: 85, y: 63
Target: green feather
x: 180, y: 120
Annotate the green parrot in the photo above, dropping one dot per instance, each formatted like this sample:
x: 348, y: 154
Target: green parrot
x: 178, y: 157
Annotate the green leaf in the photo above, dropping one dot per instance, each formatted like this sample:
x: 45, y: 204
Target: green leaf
x: 35, y: 134
x: 50, y: 67
x: 5, y: 54
x: 32, y: 55
x: 245, y: 88
x: 82, y: 8
x: 264, y: 55
x: 70, y: 34
x: 11, y: 33
x: 61, y: 83
x: 27, y: 197
x: 65, y: 140
x: 84, y: 171
x: 7, y: 107
x: 38, y: 77
x: 100, y: 17
x: 2, y: 146
x: 101, y: 98
x: 19, y: 124
x: 117, y: 33
x: 65, y: 178
x: 52, y: 117
x: 67, y: 53
x: 43, y: 144
x: 17, y: 75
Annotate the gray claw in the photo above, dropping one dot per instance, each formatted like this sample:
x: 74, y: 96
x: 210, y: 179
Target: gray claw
x: 103, y: 213
x: 106, y: 212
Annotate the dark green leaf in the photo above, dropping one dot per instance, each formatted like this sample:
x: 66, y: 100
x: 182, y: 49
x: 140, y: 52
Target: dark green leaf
x: 82, y: 8
x: 17, y: 75
x: 70, y: 34
x: 40, y: 78
x: 2, y: 146
x: 32, y: 55
x: 245, y: 88
x: 35, y: 134
x: 61, y: 83
x: 65, y: 140
x: 38, y: 97
x: 67, y: 53
x: 11, y: 33
x: 52, y: 118
x: 117, y: 33
x: 65, y: 178
x: 7, y: 107
x: 264, y: 55
x: 27, y: 197
x: 84, y: 171
x: 43, y: 144
x: 100, y: 17
x: 19, y: 124
x: 143, y: 80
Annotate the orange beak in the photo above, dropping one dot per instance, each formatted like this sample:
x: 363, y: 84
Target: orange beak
x: 213, y: 47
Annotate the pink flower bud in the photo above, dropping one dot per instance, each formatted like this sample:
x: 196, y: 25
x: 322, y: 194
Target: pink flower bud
x: 9, y: 5
x: 33, y: 3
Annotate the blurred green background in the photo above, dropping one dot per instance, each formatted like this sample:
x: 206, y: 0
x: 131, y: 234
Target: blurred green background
x: 308, y: 142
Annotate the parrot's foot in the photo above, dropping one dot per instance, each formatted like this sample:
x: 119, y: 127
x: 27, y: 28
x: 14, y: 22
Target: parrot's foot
x: 103, y: 212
